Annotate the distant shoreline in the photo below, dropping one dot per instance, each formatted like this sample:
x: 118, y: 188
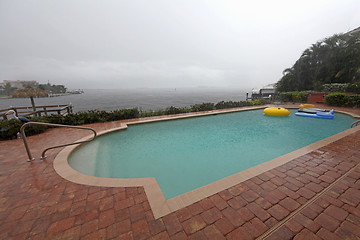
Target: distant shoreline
x: 144, y: 99
x: 51, y: 94
x: 65, y: 94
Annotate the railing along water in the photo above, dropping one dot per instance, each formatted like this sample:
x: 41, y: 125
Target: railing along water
x: 61, y: 109
x: 22, y: 131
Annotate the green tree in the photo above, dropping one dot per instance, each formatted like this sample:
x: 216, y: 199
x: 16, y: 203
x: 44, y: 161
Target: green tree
x: 333, y: 60
x: 53, y: 88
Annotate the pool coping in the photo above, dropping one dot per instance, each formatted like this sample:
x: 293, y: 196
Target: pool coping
x: 159, y: 204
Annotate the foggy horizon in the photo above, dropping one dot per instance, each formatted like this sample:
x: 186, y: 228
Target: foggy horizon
x: 163, y: 44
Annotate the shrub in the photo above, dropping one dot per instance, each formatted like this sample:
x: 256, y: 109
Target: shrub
x: 203, y: 107
x: 175, y: 110
x: 294, y: 97
x: 341, y: 99
x: 336, y: 99
x: 230, y: 104
x: 258, y: 102
x: 353, y: 101
x: 92, y: 116
x: 124, y: 114
x: 302, y: 96
x: 286, y: 97
x: 10, y: 128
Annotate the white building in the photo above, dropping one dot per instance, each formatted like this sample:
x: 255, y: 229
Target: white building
x: 265, y: 92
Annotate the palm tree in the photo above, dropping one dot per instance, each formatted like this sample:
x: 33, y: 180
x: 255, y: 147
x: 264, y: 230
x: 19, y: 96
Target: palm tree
x: 335, y: 59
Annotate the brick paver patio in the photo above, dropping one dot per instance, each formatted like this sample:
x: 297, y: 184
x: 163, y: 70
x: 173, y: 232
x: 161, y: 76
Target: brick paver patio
x: 316, y: 196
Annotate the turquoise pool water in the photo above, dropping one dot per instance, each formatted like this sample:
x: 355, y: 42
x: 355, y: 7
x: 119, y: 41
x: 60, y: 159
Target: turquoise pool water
x: 186, y: 154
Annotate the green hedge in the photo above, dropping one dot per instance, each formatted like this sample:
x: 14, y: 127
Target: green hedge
x: 353, y: 100
x: 294, y: 97
x: 341, y: 99
x: 9, y: 128
x: 91, y: 116
x: 231, y: 104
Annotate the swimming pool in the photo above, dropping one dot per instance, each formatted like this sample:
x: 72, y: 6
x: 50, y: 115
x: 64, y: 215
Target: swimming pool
x: 186, y: 154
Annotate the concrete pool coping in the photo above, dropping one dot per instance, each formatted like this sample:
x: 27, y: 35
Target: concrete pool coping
x: 161, y: 206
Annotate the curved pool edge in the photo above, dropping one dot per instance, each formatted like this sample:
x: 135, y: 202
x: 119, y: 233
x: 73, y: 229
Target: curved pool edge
x: 159, y: 204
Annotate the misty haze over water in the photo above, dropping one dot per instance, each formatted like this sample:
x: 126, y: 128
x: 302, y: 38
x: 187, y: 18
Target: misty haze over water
x: 144, y: 99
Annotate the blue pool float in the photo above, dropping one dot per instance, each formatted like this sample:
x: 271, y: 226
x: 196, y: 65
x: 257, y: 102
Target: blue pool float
x: 324, y: 115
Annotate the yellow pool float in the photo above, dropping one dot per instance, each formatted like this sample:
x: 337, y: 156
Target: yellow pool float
x: 277, y: 111
x: 307, y: 106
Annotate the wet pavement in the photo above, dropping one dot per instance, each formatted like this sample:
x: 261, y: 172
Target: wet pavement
x: 315, y: 196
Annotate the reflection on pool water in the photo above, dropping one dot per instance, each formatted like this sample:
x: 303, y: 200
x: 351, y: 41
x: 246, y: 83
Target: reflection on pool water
x: 189, y: 153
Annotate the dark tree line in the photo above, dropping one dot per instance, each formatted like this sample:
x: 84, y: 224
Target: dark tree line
x: 8, y: 90
x: 333, y: 60
x: 53, y: 88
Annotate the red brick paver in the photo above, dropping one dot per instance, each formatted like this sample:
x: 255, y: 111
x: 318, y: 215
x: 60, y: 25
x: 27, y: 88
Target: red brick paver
x: 36, y: 203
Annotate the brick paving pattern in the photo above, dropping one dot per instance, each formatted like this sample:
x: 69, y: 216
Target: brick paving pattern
x: 316, y: 196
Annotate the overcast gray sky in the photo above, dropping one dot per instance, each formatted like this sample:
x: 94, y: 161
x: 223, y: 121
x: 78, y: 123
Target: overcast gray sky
x: 163, y: 43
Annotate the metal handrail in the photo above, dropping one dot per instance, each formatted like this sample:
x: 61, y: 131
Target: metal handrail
x: 22, y: 131
x: 354, y: 124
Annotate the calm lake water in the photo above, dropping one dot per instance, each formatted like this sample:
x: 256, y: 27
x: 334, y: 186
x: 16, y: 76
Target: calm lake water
x: 144, y: 99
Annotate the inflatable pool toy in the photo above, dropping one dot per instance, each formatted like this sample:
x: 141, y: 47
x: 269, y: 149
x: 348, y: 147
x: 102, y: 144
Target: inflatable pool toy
x: 277, y: 111
x: 324, y: 115
x: 311, y: 110
x: 307, y: 106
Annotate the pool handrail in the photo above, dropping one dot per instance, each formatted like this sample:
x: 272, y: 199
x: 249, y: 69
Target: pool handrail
x: 22, y: 132
x: 354, y: 124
